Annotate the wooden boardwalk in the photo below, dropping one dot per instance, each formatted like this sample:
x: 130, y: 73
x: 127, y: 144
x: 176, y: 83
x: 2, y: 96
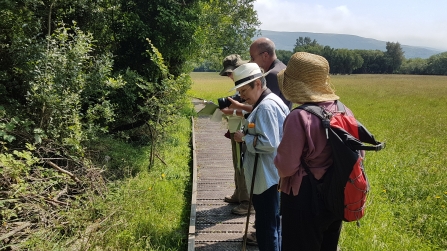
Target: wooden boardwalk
x: 212, y: 226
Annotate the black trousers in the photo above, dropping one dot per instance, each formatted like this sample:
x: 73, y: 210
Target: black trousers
x: 302, y: 228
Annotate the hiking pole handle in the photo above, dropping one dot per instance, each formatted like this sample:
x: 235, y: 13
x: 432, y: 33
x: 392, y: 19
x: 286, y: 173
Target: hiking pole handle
x: 376, y: 148
x: 244, y: 245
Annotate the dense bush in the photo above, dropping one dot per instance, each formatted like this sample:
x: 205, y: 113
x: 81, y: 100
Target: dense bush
x: 76, y: 74
x: 46, y: 158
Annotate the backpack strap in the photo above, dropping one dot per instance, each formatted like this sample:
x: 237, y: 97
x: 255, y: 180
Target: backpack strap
x: 314, y: 109
x: 376, y: 148
x: 340, y: 106
x: 321, y: 113
x: 314, y: 185
x: 325, y: 118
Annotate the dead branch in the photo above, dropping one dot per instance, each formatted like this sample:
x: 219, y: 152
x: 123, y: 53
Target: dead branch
x: 56, y: 202
x: 158, y: 156
x: 52, y: 202
x: 64, y: 191
x: 88, y: 234
x: 64, y: 171
x: 17, y: 229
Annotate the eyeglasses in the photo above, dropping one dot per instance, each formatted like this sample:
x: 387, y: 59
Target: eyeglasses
x: 243, y: 90
x: 253, y: 59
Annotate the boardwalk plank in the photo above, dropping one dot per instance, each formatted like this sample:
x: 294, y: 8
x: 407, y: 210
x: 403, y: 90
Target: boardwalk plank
x: 215, y: 227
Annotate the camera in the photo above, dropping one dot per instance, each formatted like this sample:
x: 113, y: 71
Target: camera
x: 225, y: 102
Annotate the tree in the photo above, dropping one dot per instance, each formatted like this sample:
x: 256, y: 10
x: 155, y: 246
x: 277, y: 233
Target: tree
x: 306, y: 41
x: 437, y: 64
x: 308, y: 45
x: 226, y: 28
x: 345, y: 61
x: 329, y: 53
x: 170, y: 25
x: 373, y: 62
x: 394, y: 56
x: 414, y: 66
x: 284, y: 56
x: 183, y: 32
x: 20, y: 46
x: 75, y: 71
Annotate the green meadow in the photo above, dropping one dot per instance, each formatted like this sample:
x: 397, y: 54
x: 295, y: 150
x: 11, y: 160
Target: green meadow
x: 407, y: 204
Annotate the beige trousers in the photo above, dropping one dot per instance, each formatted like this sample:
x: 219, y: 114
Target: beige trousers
x: 241, y: 191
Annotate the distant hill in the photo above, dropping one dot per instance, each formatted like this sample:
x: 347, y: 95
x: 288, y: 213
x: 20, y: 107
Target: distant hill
x: 287, y: 40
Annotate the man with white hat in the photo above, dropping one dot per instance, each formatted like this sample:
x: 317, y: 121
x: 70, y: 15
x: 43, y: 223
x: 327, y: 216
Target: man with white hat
x: 261, y: 135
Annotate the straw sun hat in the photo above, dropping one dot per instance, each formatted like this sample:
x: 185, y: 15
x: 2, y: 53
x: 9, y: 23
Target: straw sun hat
x: 306, y: 79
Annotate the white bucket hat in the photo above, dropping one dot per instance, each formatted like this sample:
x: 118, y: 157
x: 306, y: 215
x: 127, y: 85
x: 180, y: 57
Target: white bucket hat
x: 246, y: 73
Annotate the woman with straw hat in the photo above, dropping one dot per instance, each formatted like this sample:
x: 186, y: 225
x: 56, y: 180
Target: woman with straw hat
x: 261, y: 135
x: 305, y: 80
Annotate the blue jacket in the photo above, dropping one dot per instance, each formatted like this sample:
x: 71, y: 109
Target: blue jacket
x: 268, y: 118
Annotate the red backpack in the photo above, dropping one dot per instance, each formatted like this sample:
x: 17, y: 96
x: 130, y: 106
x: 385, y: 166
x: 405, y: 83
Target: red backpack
x: 344, y: 187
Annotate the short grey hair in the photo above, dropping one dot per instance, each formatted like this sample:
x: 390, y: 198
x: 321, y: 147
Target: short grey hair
x: 267, y: 46
x: 263, y: 82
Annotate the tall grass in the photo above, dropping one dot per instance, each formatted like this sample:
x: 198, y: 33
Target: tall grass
x: 153, y: 207
x: 210, y: 86
x: 141, y: 210
x: 408, y: 198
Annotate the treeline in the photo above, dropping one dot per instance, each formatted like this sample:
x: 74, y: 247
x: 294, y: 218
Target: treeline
x: 345, y: 61
x: 73, y: 72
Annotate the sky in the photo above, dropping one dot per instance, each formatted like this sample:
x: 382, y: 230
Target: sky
x: 411, y: 22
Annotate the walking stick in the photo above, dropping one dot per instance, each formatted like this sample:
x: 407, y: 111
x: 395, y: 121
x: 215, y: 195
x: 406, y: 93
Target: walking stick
x: 244, y: 246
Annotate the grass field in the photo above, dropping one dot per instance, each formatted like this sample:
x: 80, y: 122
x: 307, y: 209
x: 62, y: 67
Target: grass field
x: 408, y: 198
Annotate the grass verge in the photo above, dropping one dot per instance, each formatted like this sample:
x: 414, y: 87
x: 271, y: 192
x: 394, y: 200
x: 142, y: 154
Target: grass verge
x: 152, y: 209
x: 141, y: 209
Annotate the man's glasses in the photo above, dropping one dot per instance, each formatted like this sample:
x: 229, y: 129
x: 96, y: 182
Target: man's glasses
x: 253, y: 59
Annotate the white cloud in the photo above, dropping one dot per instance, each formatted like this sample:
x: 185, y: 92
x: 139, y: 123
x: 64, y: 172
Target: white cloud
x: 343, y: 9
x: 416, y: 23
x: 292, y: 16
